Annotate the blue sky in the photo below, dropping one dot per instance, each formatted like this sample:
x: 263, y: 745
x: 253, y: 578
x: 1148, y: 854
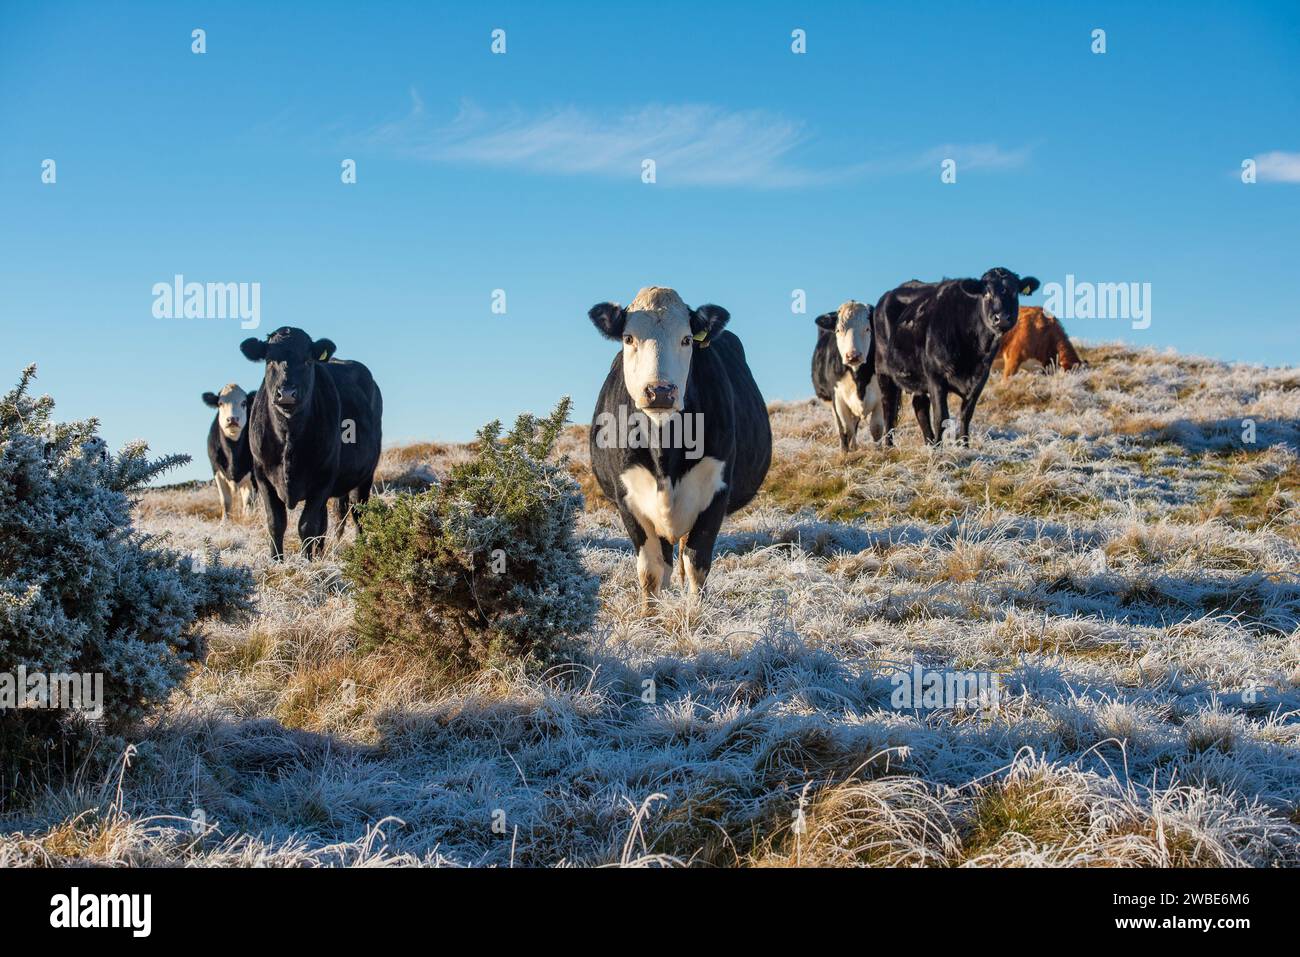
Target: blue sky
x: 522, y: 172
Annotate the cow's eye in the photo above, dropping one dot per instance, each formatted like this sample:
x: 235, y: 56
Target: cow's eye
x: 627, y: 340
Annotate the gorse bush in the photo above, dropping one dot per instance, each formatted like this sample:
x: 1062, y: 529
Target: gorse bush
x: 81, y: 592
x: 482, y: 567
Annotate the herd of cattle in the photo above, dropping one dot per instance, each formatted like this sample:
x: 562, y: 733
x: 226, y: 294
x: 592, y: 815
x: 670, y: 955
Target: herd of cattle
x: 311, y: 431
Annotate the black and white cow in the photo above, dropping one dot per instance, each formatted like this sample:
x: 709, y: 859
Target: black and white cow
x: 314, y: 433
x: 844, y: 371
x: 232, y: 462
x: 680, y: 436
x: 933, y: 339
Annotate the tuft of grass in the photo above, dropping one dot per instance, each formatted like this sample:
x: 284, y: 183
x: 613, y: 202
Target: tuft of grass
x: 1036, y: 808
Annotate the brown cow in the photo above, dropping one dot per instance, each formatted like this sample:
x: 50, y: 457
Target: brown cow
x: 1037, y: 337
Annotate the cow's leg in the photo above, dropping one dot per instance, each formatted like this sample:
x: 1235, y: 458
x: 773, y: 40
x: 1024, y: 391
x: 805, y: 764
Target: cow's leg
x: 247, y: 494
x: 839, y: 423
x: 921, y: 406
x: 223, y: 490
x: 889, y: 396
x: 847, y: 423
x: 360, y: 495
x: 876, y: 420
x: 968, y: 412
x: 938, y: 412
x: 652, y: 557
x: 276, y: 518
x: 341, y: 509
x: 312, y: 524
x: 699, y: 543
x: 1010, y: 364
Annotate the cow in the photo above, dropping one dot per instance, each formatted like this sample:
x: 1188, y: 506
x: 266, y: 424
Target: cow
x: 232, y: 462
x: 1038, y: 340
x: 844, y: 371
x: 933, y: 339
x: 679, y: 371
x: 314, y: 433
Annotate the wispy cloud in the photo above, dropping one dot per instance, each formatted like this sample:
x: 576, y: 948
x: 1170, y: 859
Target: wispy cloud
x: 1278, y: 167
x: 978, y: 156
x: 691, y: 145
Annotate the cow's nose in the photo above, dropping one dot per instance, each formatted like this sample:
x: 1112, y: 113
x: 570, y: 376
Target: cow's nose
x: 286, y: 394
x: 660, y: 396
x: 854, y: 356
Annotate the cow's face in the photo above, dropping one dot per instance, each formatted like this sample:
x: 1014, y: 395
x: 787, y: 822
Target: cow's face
x: 851, y: 324
x: 291, y: 357
x: 660, y: 334
x: 232, y: 404
x: 1000, y: 294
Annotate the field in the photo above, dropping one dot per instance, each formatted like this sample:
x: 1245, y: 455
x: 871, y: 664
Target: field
x: 1119, y: 547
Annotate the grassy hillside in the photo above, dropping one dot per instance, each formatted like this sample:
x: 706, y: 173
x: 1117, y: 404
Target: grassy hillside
x: 1109, y: 547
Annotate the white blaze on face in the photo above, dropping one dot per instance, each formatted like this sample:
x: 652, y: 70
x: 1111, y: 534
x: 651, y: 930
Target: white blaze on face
x: 853, y: 332
x: 657, y: 346
x: 232, y: 411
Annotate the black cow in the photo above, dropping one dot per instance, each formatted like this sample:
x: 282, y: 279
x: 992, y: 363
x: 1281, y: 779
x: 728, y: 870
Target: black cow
x: 680, y: 436
x: 844, y: 371
x: 937, y: 338
x: 232, y: 462
x: 314, y: 433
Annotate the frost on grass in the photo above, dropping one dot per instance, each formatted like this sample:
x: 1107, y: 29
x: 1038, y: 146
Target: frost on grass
x: 1109, y: 546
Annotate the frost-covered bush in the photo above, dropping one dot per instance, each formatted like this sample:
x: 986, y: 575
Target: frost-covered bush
x: 82, y: 592
x: 481, y: 567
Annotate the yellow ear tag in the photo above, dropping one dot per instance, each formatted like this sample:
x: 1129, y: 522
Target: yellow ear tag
x: 1025, y: 291
x: 324, y: 356
x: 700, y: 337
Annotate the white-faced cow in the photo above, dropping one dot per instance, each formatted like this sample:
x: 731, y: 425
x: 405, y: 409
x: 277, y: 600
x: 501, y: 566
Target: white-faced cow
x: 314, y: 433
x: 844, y: 371
x: 933, y: 339
x: 232, y: 462
x: 680, y: 435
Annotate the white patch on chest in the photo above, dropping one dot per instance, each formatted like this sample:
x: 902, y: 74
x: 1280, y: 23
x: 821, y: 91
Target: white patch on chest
x: 846, y: 390
x: 670, y: 511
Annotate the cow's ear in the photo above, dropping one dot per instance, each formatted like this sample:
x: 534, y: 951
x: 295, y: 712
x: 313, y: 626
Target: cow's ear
x: 323, y: 350
x: 253, y: 348
x: 827, y: 320
x: 210, y: 398
x: 708, y: 321
x: 1028, y: 285
x: 609, y: 318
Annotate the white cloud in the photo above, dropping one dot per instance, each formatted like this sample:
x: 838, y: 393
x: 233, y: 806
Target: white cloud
x: 1278, y: 167
x: 692, y: 145
x: 986, y: 156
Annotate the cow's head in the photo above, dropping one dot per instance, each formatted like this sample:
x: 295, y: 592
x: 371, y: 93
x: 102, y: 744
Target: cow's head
x: 999, y: 291
x: 851, y: 324
x: 291, y: 357
x: 660, y: 334
x: 232, y: 404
